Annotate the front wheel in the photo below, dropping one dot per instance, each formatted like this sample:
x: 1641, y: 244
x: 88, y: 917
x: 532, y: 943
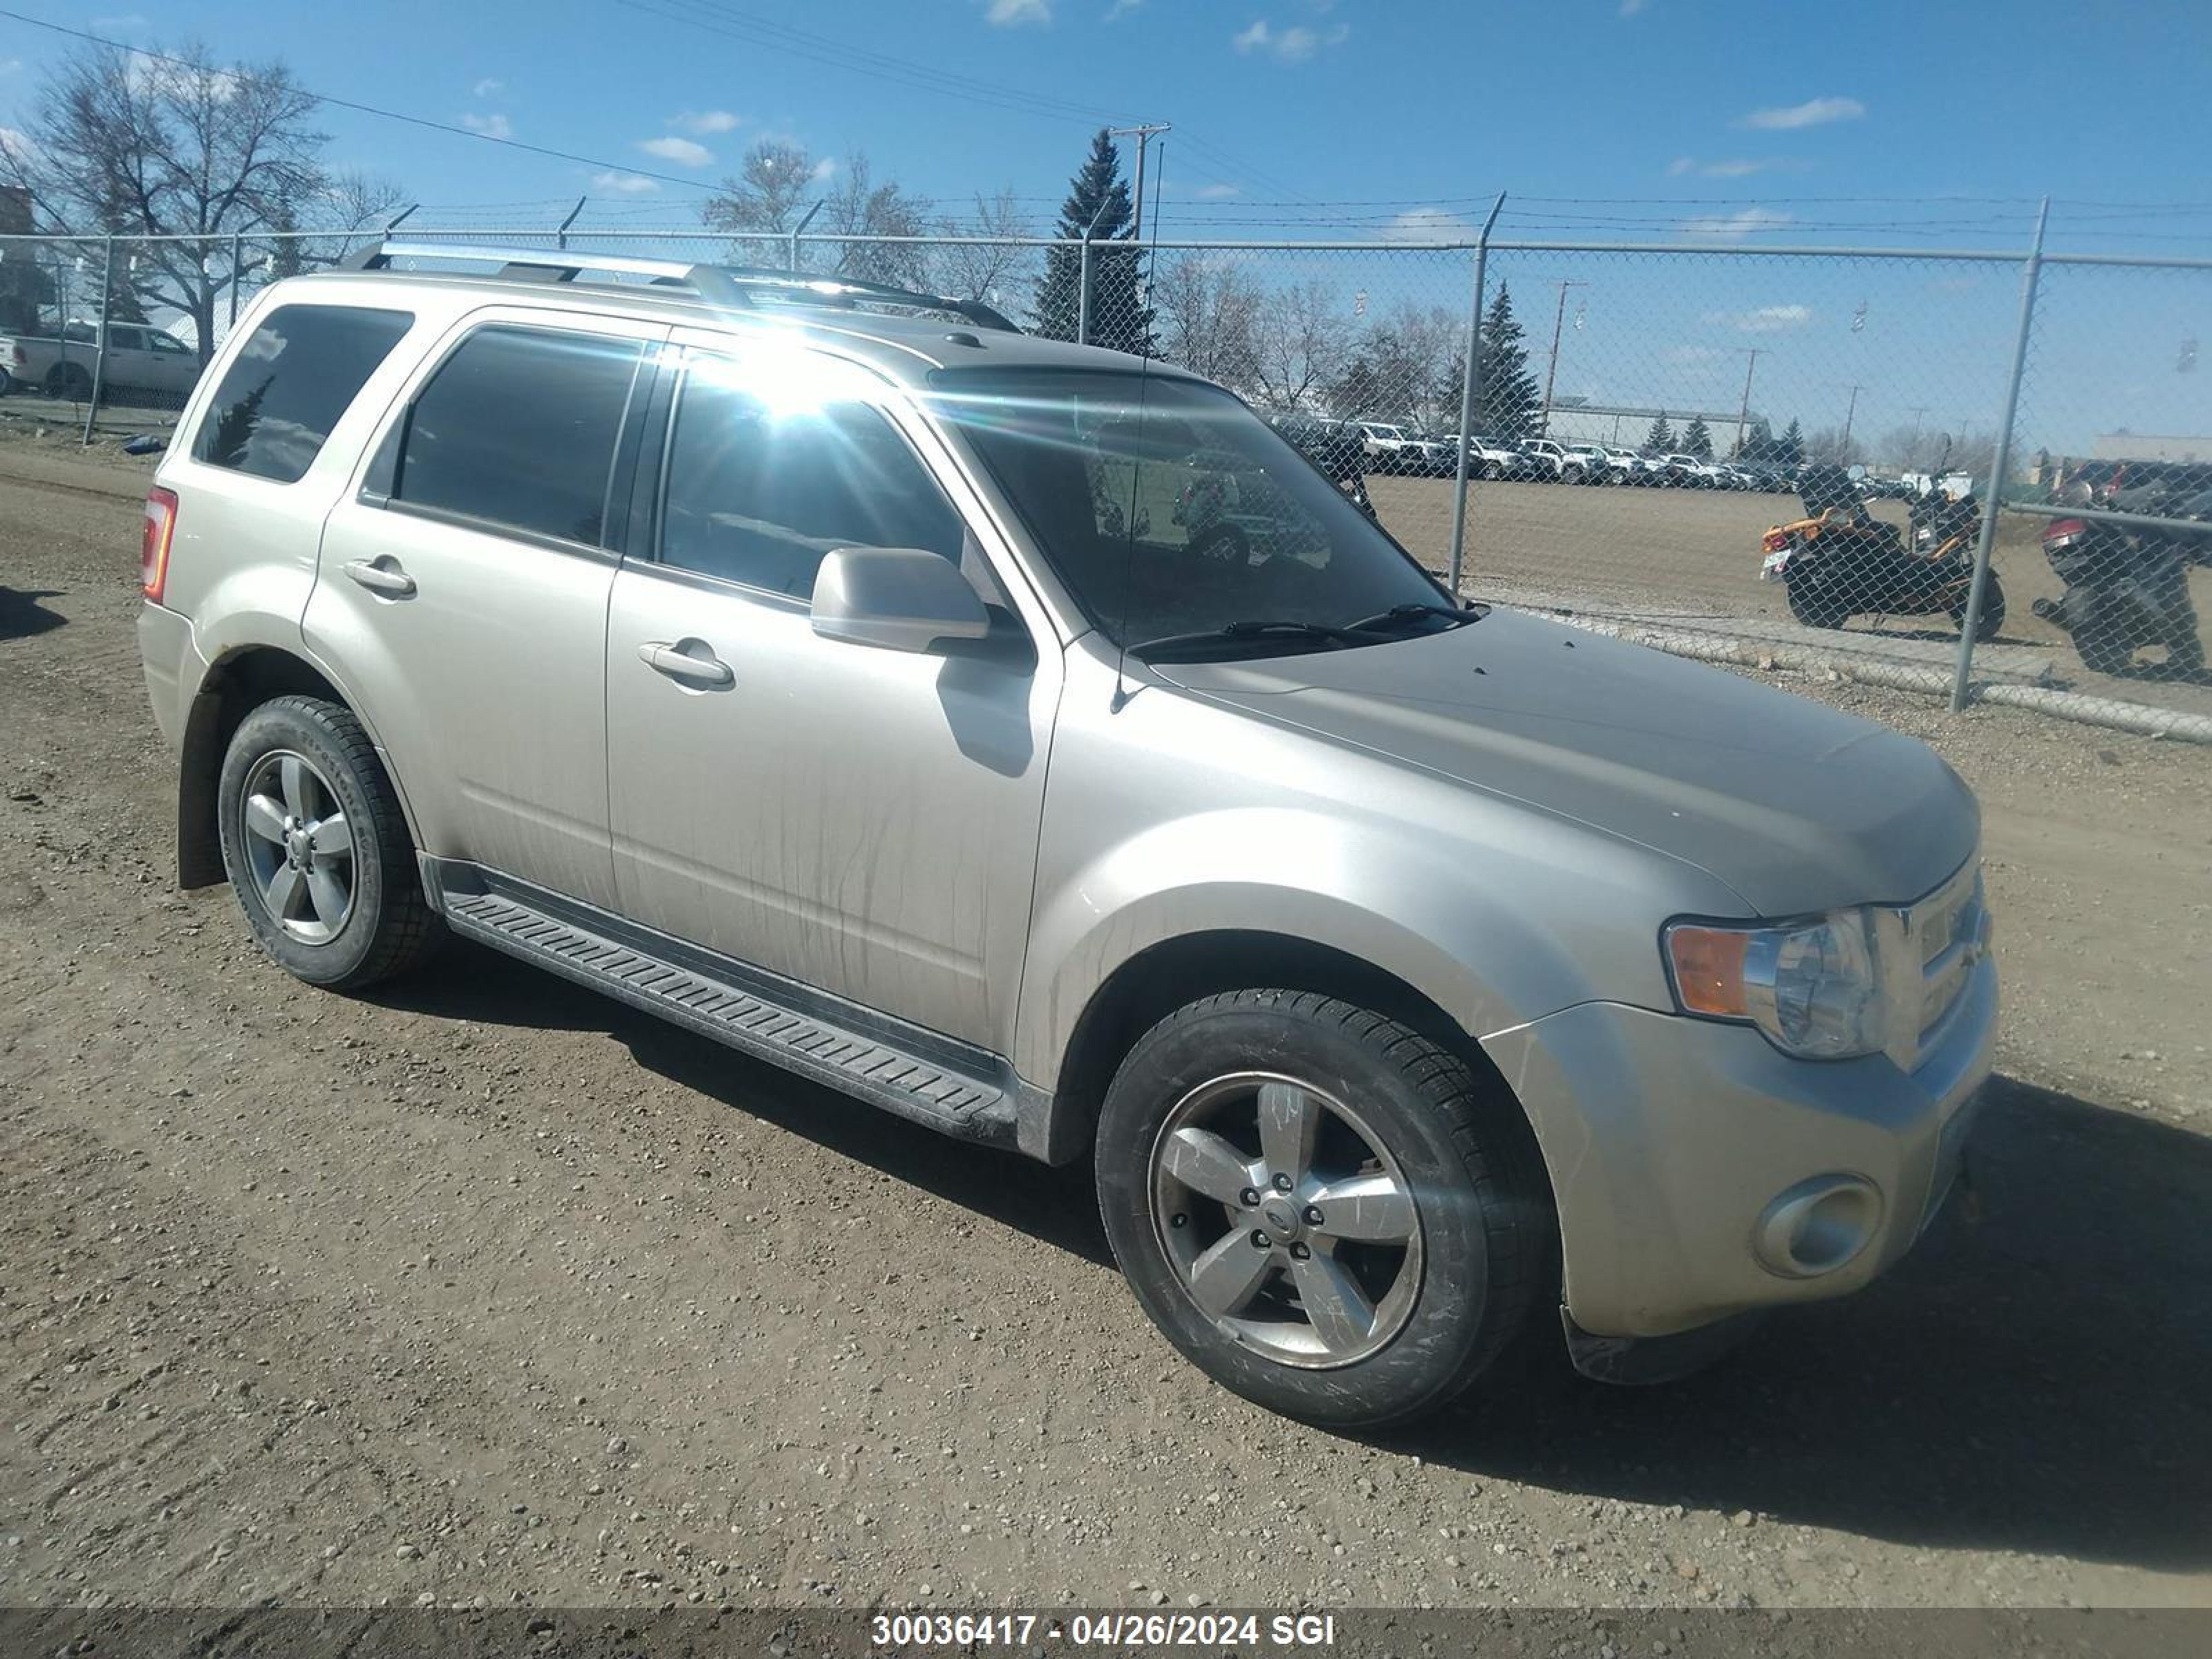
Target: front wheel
x: 1325, y: 1211
x: 1812, y: 603
x: 1993, y: 611
x: 317, y: 848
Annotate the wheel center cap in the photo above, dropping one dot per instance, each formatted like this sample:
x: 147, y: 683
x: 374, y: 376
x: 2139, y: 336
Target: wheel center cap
x: 1281, y: 1217
x: 300, y: 846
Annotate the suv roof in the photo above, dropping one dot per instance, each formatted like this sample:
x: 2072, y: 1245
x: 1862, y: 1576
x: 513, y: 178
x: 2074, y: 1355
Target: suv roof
x: 864, y: 319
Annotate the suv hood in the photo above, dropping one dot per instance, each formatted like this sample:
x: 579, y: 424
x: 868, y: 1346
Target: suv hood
x: 1794, y: 806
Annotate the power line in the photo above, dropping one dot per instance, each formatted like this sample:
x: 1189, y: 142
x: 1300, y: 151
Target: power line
x: 360, y: 108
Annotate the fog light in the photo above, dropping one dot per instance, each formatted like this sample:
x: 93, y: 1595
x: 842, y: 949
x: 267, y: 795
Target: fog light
x: 1817, y: 1227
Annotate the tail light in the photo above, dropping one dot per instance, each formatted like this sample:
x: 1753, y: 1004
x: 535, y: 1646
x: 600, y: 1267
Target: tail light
x: 2065, y: 533
x: 154, y: 538
x: 1774, y: 541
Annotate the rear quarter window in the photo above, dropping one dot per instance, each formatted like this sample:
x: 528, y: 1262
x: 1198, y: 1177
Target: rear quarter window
x: 289, y: 385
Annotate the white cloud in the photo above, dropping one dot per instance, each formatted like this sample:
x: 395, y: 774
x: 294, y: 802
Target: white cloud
x: 1004, y: 12
x: 492, y: 126
x: 1630, y: 7
x: 1427, y: 224
x: 11, y: 65
x: 1734, y: 226
x: 701, y: 122
x: 683, y: 151
x: 1767, y: 319
x: 490, y: 87
x: 16, y: 145
x: 1218, y: 193
x: 824, y: 170
x: 1812, y: 113
x: 1293, y: 43
x: 623, y: 184
x: 1122, y: 9
x: 1681, y: 165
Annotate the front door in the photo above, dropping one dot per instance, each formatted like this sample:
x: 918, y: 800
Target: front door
x: 462, y: 591
x: 861, y: 821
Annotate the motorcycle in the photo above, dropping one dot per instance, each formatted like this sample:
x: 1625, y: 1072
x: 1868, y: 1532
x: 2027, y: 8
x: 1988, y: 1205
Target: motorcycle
x: 2126, y: 587
x: 1839, y: 562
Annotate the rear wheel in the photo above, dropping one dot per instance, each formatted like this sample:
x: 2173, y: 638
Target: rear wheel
x: 1812, y: 603
x: 1323, y: 1210
x: 1991, y: 620
x: 68, y: 380
x: 1574, y: 475
x: 2102, y: 640
x: 317, y: 848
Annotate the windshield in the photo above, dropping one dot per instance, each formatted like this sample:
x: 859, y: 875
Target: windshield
x: 1168, y: 507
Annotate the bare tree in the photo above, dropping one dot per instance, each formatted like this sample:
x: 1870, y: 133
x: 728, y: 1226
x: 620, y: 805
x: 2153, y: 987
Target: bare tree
x: 988, y: 271
x: 767, y: 193
x: 859, y: 206
x: 1301, y: 343
x: 172, y: 144
x: 1208, y: 309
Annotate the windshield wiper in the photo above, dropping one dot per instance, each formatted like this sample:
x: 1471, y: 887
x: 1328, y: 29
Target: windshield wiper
x: 1239, y: 632
x: 1404, y: 613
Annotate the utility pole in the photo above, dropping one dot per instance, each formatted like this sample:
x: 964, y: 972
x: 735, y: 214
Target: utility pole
x: 1912, y: 449
x: 1844, y: 447
x: 1551, y: 371
x: 1142, y: 135
x: 1743, y: 409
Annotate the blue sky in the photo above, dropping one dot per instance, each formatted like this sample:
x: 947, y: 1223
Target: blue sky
x: 1730, y: 121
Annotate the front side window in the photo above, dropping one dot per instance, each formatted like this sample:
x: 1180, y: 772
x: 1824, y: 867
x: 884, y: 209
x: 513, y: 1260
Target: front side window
x: 762, y: 484
x: 518, y: 429
x: 296, y: 374
x: 1168, y: 508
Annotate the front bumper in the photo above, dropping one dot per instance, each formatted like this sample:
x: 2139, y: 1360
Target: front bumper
x: 1670, y: 1141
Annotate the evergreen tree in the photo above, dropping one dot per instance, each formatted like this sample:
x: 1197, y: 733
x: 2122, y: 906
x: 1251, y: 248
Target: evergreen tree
x: 1509, y: 404
x: 1758, y: 442
x: 1696, y: 440
x: 1660, y: 439
x: 1789, y: 448
x: 1120, y: 317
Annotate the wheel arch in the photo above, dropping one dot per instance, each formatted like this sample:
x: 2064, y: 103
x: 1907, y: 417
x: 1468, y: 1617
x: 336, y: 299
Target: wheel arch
x: 237, y: 682
x: 1150, y: 984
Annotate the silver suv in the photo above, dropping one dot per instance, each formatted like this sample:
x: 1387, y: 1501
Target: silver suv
x: 1026, y: 740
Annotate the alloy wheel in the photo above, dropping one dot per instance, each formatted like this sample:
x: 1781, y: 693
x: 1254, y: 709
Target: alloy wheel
x: 1286, y: 1220
x: 299, y: 846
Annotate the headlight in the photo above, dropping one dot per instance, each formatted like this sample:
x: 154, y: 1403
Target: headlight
x: 1814, y: 988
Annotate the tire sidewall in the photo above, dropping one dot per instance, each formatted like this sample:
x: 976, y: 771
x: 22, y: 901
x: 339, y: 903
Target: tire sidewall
x: 1429, y: 1358
x: 304, y: 728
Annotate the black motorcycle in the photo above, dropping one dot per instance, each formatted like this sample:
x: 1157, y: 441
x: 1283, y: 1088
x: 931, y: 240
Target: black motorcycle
x: 2127, y: 587
x: 1840, y: 561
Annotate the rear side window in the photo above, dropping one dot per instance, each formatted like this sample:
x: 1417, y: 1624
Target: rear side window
x: 519, y: 429
x: 287, y: 387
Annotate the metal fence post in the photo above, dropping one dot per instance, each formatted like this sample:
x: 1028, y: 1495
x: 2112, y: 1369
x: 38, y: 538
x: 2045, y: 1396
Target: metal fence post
x: 1470, y: 387
x: 99, y: 358
x: 1083, y: 294
x: 791, y: 260
x: 237, y: 273
x: 2000, y: 462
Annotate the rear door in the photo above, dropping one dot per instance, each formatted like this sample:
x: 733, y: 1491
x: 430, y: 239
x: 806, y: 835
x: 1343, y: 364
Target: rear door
x: 171, y: 365
x: 463, y: 586
x: 861, y: 821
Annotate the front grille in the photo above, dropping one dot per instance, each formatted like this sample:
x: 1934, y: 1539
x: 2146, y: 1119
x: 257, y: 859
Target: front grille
x: 1947, y: 931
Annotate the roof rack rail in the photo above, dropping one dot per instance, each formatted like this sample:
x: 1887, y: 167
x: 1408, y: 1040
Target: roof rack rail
x: 538, y: 265
x: 730, y: 285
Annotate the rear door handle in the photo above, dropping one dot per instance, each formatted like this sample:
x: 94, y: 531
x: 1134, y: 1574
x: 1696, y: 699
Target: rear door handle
x: 381, y: 578
x: 704, y: 669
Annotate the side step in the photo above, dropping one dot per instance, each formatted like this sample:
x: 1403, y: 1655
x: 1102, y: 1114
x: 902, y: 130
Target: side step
x: 955, y: 1099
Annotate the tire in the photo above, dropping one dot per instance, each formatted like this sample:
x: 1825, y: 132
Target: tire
x: 1457, y: 1163
x: 308, y: 761
x: 2103, y: 646
x: 8, y: 383
x: 1574, y: 475
x: 1991, y: 620
x: 68, y: 381
x: 1814, y: 606
x: 1491, y: 472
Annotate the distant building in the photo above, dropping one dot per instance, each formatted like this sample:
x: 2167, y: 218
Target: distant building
x: 2147, y: 446
x: 1574, y: 422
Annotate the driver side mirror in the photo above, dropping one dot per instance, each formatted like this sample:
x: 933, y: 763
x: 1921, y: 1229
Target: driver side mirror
x: 895, y: 599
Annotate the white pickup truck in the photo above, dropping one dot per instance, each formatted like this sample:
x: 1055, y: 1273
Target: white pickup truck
x: 141, y: 358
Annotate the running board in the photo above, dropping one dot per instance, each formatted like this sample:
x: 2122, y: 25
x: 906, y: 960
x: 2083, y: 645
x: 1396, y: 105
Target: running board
x: 952, y: 1098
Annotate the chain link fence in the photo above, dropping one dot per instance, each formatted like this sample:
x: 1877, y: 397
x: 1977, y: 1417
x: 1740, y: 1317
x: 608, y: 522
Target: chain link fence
x: 1831, y: 460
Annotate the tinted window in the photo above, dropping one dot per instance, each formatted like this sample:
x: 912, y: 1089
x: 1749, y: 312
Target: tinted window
x: 519, y: 428
x: 289, y: 385
x: 758, y: 493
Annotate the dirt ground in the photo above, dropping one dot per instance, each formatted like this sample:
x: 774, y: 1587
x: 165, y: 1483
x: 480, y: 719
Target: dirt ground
x: 485, y: 1290
x: 1649, y: 554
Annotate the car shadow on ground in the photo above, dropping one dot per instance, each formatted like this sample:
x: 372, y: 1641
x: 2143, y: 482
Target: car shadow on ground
x: 21, y: 615
x: 2032, y: 1378
x: 1055, y: 1205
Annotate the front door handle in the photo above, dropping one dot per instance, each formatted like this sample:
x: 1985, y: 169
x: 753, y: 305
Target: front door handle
x: 381, y: 577
x: 704, y: 669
